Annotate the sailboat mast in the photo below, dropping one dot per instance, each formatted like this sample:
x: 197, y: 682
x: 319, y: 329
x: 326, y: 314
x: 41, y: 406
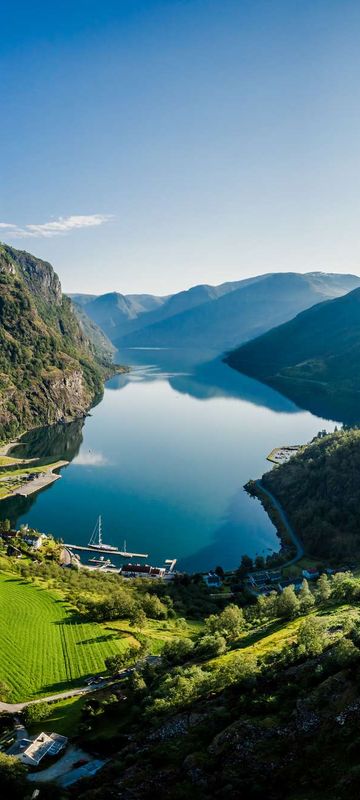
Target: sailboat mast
x: 100, y: 531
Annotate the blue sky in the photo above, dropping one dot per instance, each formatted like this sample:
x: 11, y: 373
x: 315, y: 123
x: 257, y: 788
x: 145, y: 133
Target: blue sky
x: 149, y: 146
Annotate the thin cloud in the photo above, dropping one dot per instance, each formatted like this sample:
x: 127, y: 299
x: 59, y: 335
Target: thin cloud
x: 57, y: 227
x: 90, y: 459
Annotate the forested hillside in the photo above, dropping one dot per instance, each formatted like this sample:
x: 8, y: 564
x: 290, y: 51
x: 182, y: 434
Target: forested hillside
x: 49, y: 371
x: 319, y: 489
x: 314, y: 359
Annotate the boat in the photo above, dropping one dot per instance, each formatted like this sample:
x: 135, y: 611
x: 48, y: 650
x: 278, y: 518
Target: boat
x: 100, y: 560
x: 96, y: 542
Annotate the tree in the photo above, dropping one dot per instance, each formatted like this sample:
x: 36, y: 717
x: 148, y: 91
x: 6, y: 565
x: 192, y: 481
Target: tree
x: 35, y: 712
x: 312, y: 637
x: 260, y: 562
x: 287, y: 604
x: 344, y: 586
x: 4, y: 691
x: 210, y: 646
x: 12, y: 777
x: 153, y: 607
x: 230, y: 623
x: 306, y: 598
x: 177, y: 651
x: 137, y: 618
x: 324, y: 588
x: 5, y: 525
x: 344, y: 653
x: 246, y: 564
x: 118, y: 661
x: 242, y: 667
x: 137, y: 683
x: 220, y: 572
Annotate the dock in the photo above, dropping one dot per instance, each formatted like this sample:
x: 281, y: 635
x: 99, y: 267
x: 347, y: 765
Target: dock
x: 92, y: 549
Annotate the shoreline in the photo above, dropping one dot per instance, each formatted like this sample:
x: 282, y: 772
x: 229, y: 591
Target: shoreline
x: 41, y: 481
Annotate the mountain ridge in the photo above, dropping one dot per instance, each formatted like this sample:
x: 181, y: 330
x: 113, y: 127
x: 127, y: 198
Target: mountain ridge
x: 49, y: 370
x: 248, y: 309
x: 314, y: 359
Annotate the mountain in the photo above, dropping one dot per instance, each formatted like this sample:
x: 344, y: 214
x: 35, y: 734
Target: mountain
x: 116, y: 313
x: 101, y: 343
x: 314, y: 359
x: 119, y: 315
x: 49, y: 371
x: 231, y: 316
x: 319, y: 490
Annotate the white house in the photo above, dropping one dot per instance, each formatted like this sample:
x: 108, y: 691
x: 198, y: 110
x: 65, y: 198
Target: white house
x: 31, y: 751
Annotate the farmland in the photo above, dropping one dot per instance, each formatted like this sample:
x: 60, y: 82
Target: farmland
x: 44, y: 646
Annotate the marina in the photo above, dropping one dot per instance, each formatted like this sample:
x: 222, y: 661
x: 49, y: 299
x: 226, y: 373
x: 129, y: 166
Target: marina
x: 110, y: 551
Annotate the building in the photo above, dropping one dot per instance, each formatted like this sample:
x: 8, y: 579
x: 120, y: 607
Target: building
x: 311, y: 573
x: 31, y: 751
x: 212, y: 580
x: 142, y: 571
x: 33, y: 539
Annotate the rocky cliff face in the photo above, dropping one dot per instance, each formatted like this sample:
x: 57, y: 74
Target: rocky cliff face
x: 48, y: 368
x: 38, y: 275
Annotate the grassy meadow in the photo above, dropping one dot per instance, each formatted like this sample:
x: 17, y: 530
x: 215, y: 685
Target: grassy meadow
x: 44, y: 645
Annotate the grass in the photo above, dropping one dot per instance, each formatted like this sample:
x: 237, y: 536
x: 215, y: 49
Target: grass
x: 157, y: 632
x: 45, y: 647
x: 64, y: 718
x: 8, y: 461
x: 15, y: 476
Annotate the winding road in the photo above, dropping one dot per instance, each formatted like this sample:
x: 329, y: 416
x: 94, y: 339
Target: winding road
x: 284, y: 519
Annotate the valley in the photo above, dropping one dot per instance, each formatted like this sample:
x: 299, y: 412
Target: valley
x: 164, y: 458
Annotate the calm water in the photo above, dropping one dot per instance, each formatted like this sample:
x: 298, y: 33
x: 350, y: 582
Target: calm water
x: 164, y: 458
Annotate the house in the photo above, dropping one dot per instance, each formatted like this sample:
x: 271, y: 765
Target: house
x: 31, y: 751
x: 33, y: 539
x: 212, y: 580
x: 142, y: 571
x: 310, y: 573
x: 296, y: 583
x: 7, y: 535
x: 275, y: 576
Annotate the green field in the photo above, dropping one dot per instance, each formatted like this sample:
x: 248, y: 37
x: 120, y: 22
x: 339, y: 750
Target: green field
x: 44, y: 646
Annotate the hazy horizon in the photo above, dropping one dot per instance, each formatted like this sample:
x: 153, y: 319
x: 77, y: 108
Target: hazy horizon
x: 152, y: 145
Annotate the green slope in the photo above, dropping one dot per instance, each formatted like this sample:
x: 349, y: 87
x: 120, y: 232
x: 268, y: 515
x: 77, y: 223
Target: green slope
x: 44, y: 647
x: 314, y: 359
x: 49, y: 371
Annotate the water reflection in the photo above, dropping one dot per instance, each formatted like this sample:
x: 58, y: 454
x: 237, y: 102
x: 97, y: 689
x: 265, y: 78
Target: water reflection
x: 60, y: 442
x: 164, y: 458
x: 198, y: 373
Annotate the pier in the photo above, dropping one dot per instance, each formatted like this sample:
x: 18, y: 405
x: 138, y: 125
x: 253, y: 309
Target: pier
x: 111, y: 552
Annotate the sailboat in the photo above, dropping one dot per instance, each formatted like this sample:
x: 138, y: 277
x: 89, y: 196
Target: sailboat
x: 96, y: 542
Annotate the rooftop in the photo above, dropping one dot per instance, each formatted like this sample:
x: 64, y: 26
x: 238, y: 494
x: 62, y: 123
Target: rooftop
x: 32, y: 751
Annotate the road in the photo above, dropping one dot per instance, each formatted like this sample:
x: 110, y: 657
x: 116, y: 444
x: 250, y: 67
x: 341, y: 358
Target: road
x: 284, y: 519
x: 14, y: 708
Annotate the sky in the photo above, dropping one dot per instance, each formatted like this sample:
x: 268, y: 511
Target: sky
x: 150, y: 145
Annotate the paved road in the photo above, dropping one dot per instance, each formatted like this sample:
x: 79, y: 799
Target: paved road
x: 283, y: 516
x: 14, y: 708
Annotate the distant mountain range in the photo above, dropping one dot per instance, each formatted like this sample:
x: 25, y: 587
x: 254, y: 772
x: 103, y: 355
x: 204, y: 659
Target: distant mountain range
x: 314, y: 359
x: 215, y: 317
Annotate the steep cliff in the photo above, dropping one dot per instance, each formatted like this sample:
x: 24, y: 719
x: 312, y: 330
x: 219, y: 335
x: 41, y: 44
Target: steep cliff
x: 49, y: 371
